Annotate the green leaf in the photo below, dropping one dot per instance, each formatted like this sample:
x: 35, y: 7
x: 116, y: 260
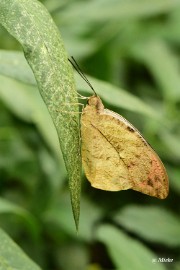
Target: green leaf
x: 160, y: 60
x: 30, y: 23
x: 174, y: 175
x: 23, y: 105
x: 90, y: 214
x: 171, y: 141
x: 126, y: 252
x: 30, y: 107
x: 7, y: 207
x: 152, y: 223
x: 12, y: 257
x: 109, y: 93
x: 117, y: 10
x: 14, y: 65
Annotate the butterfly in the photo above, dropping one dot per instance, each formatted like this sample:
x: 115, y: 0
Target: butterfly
x: 115, y: 156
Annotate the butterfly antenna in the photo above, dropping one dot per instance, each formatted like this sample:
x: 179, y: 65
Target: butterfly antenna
x: 78, y: 69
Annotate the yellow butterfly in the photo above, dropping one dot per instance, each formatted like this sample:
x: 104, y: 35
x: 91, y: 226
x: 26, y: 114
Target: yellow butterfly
x: 115, y: 155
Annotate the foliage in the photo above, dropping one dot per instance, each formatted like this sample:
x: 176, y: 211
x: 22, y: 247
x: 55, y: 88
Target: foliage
x: 132, y: 45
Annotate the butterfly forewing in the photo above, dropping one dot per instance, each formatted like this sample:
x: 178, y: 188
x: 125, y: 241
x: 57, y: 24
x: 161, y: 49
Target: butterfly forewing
x: 116, y: 156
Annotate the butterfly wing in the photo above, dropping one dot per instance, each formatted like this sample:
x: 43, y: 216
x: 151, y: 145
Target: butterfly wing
x: 116, y: 157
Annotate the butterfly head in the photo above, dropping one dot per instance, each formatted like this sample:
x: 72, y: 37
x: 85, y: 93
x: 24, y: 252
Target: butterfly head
x: 95, y: 102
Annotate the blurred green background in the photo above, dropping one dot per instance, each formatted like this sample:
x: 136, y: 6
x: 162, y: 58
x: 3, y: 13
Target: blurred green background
x: 132, y: 45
